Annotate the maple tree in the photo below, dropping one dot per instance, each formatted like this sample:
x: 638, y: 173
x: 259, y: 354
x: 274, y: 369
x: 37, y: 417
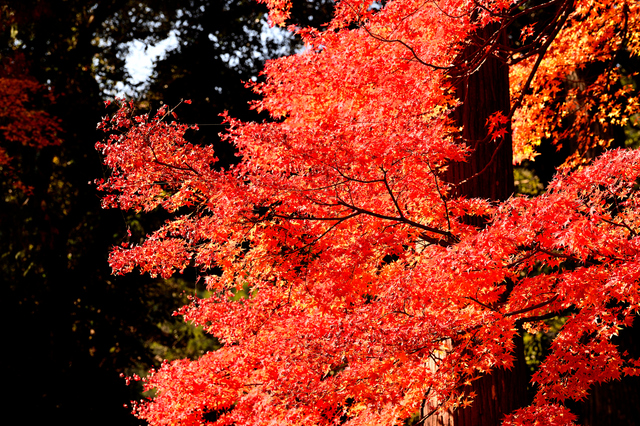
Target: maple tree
x: 23, y: 124
x: 378, y: 280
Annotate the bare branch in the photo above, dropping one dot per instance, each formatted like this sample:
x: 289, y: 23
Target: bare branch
x: 532, y: 308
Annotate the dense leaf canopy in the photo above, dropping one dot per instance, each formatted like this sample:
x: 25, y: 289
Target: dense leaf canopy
x: 369, y: 290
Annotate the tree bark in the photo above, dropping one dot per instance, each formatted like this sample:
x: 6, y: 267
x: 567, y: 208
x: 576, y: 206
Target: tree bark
x: 488, y: 174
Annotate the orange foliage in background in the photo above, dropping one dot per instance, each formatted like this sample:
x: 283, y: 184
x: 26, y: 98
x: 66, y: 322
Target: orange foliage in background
x: 595, y: 35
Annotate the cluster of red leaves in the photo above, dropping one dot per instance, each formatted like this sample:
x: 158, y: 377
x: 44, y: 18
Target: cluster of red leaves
x: 368, y: 290
x: 23, y: 120
x: 23, y: 124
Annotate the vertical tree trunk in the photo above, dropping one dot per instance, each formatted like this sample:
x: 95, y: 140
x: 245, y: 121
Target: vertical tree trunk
x: 489, y: 171
x: 487, y: 174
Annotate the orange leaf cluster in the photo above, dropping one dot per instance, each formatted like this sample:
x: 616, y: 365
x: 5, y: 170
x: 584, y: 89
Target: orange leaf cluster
x: 596, y: 33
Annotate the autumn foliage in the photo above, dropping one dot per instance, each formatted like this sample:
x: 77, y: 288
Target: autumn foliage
x: 23, y: 123
x: 368, y: 290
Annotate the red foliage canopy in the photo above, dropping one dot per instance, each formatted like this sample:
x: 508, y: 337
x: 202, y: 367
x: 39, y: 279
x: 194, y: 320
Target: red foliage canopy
x: 369, y: 290
x: 22, y: 122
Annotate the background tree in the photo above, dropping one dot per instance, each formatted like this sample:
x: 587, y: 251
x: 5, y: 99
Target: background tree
x: 73, y: 324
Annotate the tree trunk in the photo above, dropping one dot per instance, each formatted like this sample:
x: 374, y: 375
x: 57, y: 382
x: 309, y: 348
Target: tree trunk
x: 487, y: 174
